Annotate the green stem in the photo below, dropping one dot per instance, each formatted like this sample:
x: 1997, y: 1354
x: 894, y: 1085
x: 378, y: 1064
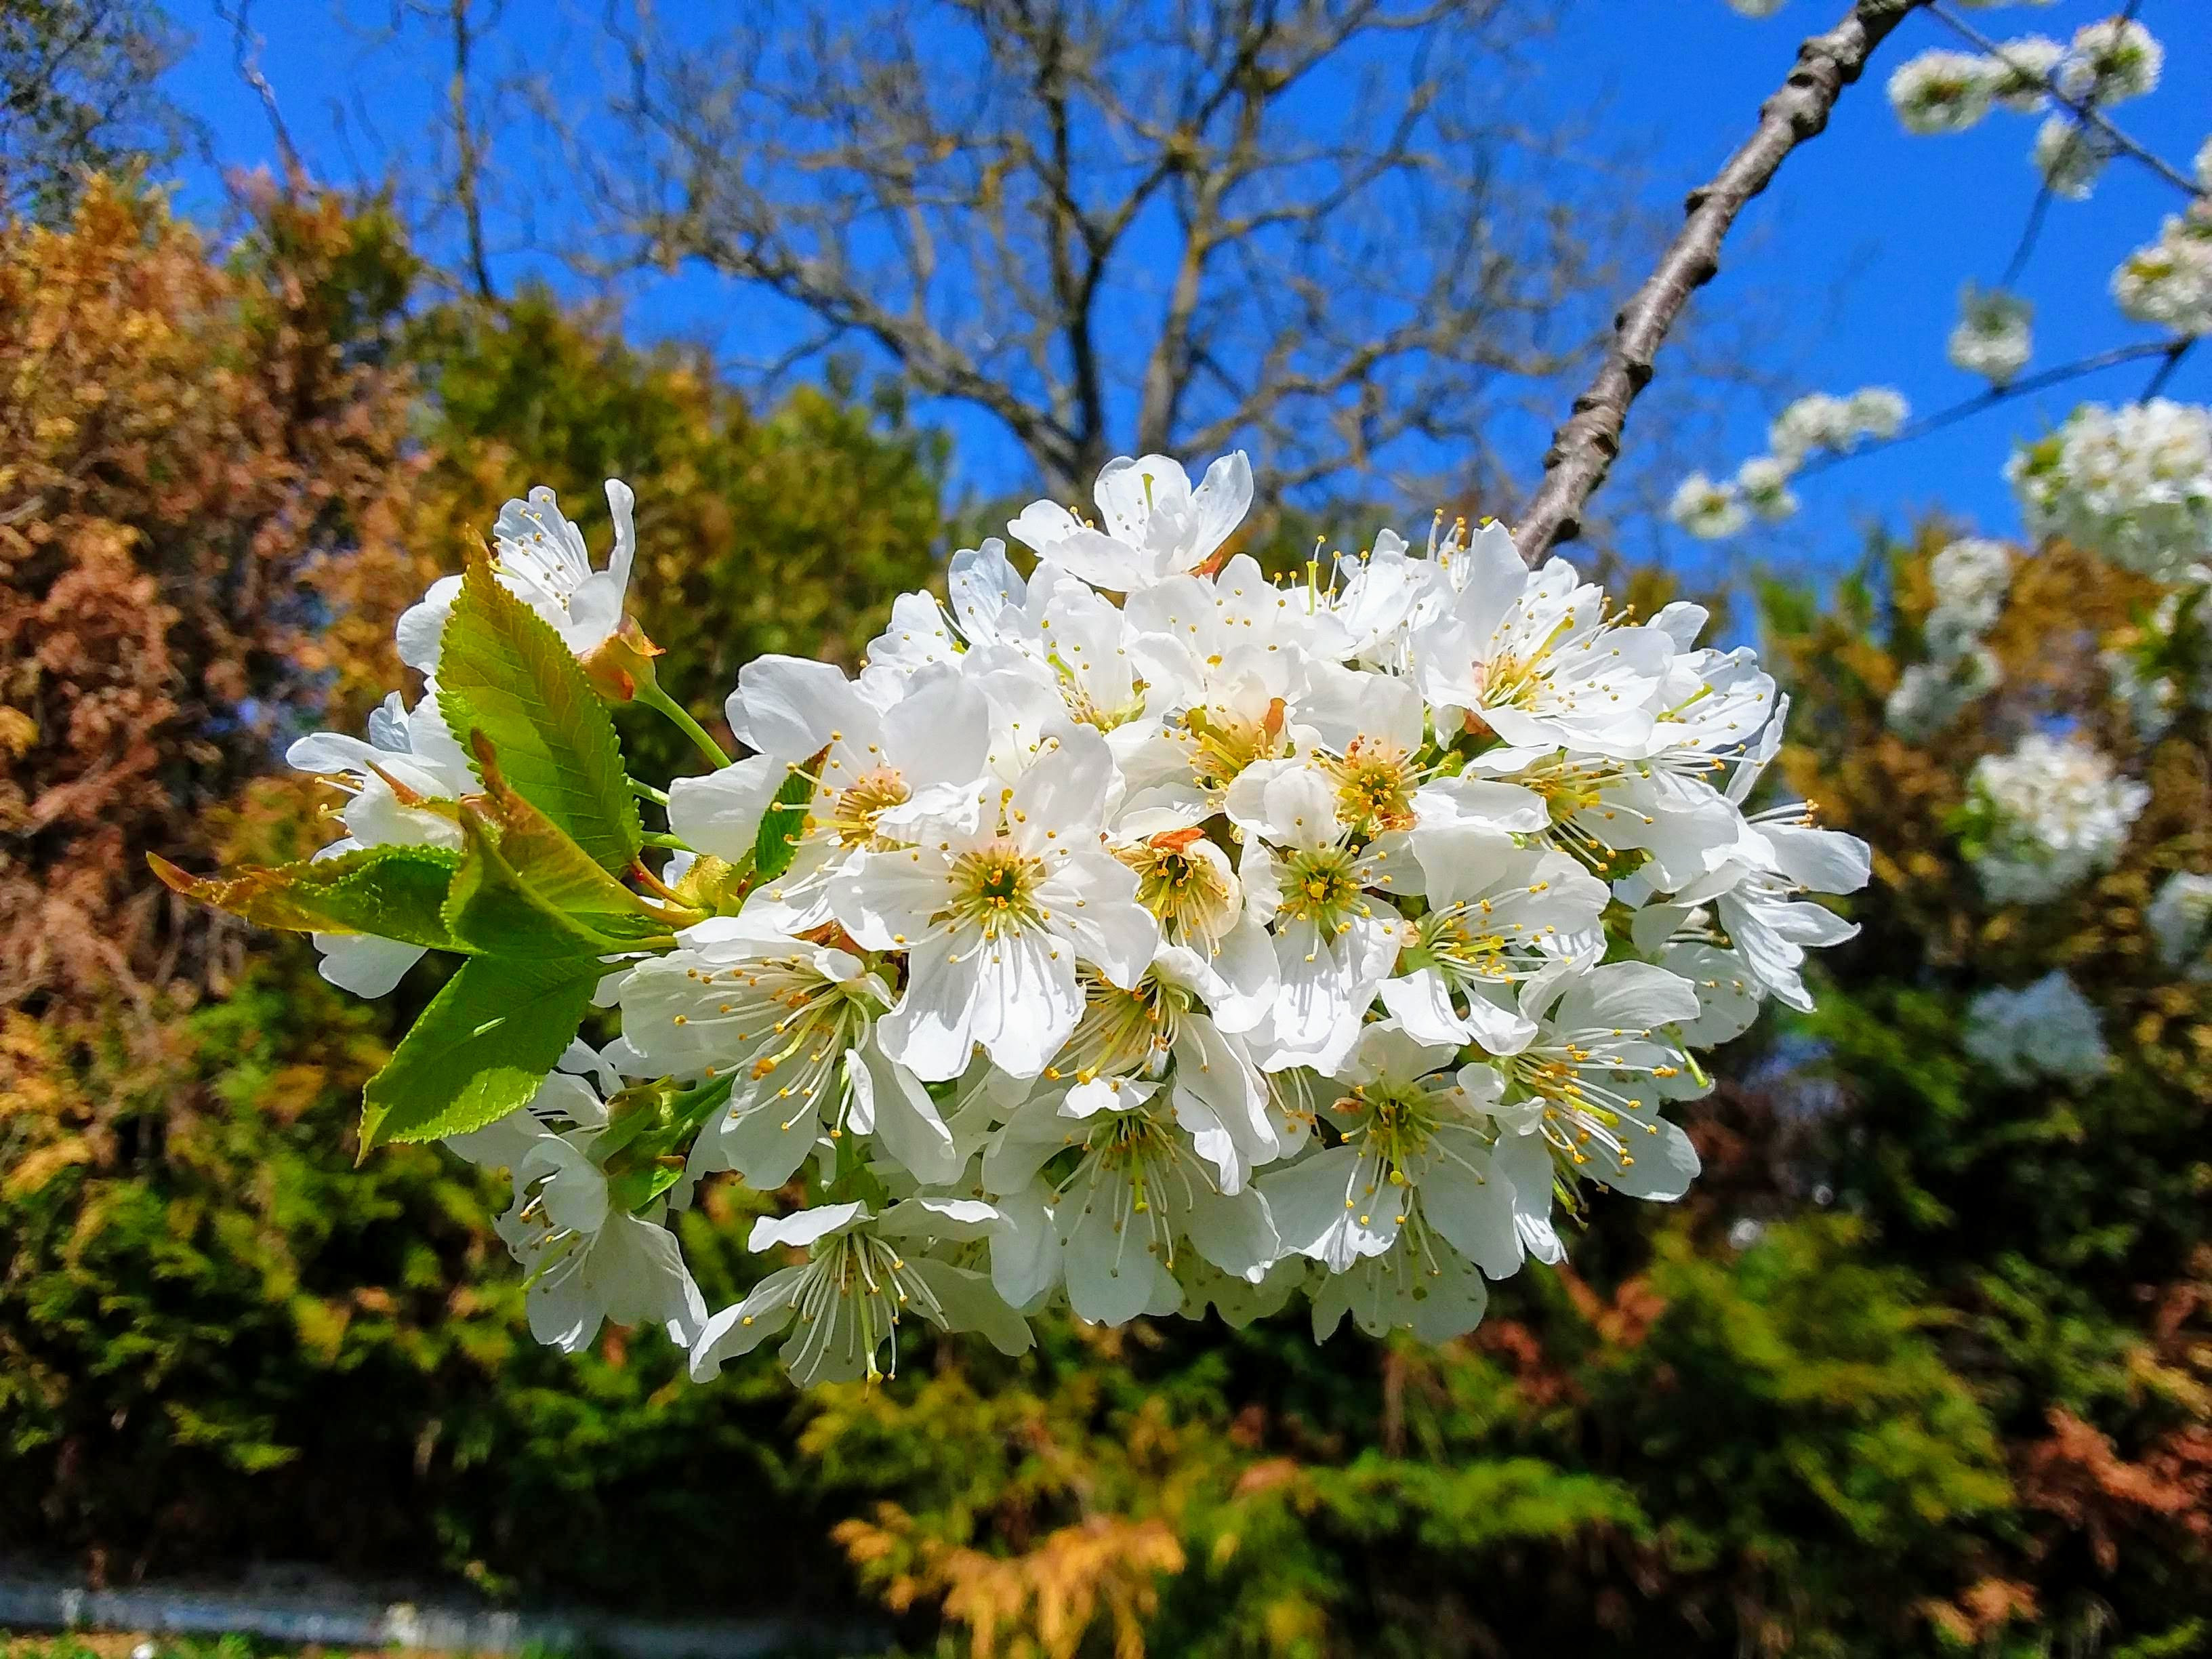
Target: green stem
x: 673, y: 844
x: 646, y: 792
x: 658, y: 700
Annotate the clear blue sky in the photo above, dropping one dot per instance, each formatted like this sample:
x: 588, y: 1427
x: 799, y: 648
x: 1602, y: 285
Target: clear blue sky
x: 1848, y: 269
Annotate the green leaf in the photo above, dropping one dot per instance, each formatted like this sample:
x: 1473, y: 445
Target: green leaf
x: 776, y: 842
x: 496, y: 909
x: 392, y: 892
x: 503, y: 671
x: 527, y: 888
x: 479, y: 1050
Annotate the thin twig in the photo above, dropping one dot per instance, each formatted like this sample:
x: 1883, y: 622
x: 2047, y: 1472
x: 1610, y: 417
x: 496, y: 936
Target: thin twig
x: 2083, y: 110
x: 2174, y: 354
x: 246, y: 57
x: 2027, y: 237
x: 2043, y: 381
x: 1583, y: 451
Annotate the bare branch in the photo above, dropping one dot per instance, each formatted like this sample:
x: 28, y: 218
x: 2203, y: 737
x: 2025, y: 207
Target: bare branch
x: 1071, y: 214
x: 1583, y: 450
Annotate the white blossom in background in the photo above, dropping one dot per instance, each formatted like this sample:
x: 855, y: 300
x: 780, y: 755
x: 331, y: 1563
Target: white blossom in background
x: 1993, y: 337
x: 2109, y: 62
x: 1706, y: 509
x: 1940, y: 91
x: 2047, y: 1031
x: 2052, y: 815
x: 1929, y: 696
x: 2070, y: 156
x: 1815, y: 421
x: 2169, y: 282
x: 2133, y: 485
x: 2020, y: 72
x: 1878, y: 412
x: 1971, y: 577
x: 1756, y: 8
x: 2180, y: 921
x: 1763, y: 482
x: 1820, y: 422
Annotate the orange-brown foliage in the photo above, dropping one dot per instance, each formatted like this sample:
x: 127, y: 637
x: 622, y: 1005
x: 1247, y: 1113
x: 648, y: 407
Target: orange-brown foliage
x: 184, y: 444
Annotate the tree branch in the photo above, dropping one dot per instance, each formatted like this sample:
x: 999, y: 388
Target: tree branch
x: 1583, y: 450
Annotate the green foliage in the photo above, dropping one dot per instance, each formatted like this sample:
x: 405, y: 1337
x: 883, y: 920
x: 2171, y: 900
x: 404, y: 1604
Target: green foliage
x: 507, y: 679
x: 480, y: 1050
x: 391, y: 892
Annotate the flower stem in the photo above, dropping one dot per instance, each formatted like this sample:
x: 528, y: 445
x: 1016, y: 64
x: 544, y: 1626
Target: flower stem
x: 646, y: 792
x: 658, y: 700
x: 673, y: 844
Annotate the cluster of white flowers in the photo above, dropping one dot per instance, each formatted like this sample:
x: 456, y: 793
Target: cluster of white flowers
x: 2048, y: 1031
x: 1150, y: 935
x: 2106, y: 63
x: 1930, y: 695
x: 2110, y: 61
x: 1971, y: 578
x: 2169, y: 282
x: 1816, y: 424
x: 2180, y: 921
x: 1940, y: 91
x: 2047, y: 817
x: 2133, y: 485
x: 1993, y: 337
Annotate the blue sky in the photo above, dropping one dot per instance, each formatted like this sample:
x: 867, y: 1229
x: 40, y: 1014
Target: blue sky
x: 1847, y: 271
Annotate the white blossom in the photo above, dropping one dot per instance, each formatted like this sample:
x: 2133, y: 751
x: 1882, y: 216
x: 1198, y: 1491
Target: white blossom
x: 1763, y: 483
x: 1940, y: 91
x: 2021, y: 69
x: 2055, y: 816
x: 2169, y: 282
x: 1971, y: 577
x: 2180, y: 922
x: 2070, y: 155
x: 1930, y: 695
x: 2132, y: 484
x: 394, y: 782
x: 1709, y: 511
x: 1993, y: 337
x: 2110, y: 61
x: 539, y: 556
x: 2048, y: 1031
x: 1146, y: 934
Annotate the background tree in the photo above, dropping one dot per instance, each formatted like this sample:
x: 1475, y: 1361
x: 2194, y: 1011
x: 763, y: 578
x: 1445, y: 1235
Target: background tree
x: 81, y: 94
x: 1320, y: 228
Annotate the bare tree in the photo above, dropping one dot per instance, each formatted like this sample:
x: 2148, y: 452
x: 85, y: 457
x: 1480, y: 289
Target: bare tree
x: 1315, y: 227
x: 78, y: 95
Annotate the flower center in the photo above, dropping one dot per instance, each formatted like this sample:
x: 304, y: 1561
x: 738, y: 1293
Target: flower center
x: 1187, y: 891
x: 1400, y: 1119
x: 1223, y: 743
x: 867, y: 799
x: 1084, y: 709
x: 1323, y: 887
x: 995, y: 888
x: 1121, y: 1032
x: 1375, y: 783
